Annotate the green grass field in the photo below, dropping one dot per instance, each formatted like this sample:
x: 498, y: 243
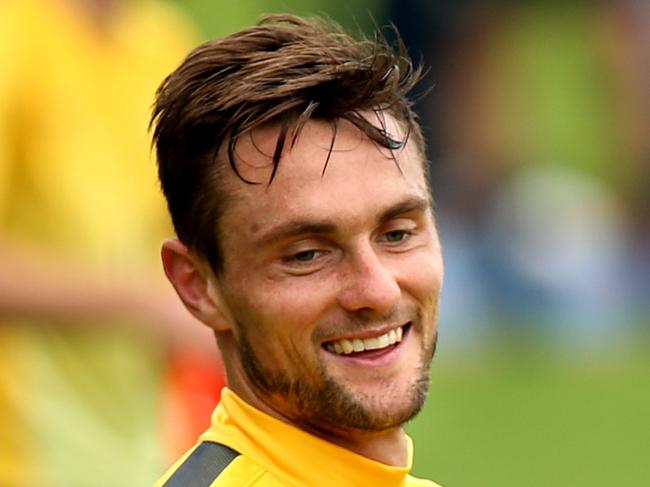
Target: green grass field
x: 519, y: 415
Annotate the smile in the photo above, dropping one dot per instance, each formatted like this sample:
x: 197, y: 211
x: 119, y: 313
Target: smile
x: 346, y: 346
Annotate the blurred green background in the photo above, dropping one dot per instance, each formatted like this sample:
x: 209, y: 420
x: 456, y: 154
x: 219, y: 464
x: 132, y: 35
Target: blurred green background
x: 219, y: 18
x: 516, y: 414
x: 538, y: 129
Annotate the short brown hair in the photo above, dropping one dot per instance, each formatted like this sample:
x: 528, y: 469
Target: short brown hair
x: 284, y: 70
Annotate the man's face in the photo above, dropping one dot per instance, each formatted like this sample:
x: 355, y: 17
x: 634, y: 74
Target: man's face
x: 319, y: 264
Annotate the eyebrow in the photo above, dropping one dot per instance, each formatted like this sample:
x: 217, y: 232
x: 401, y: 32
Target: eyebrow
x: 409, y: 205
x: 297, y: 227
x: 294, y: 228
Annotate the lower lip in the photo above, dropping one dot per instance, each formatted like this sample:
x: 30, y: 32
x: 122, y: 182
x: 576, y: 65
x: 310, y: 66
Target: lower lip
x: 376, y: 358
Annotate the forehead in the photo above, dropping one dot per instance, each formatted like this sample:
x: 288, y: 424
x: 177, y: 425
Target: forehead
x: 320, y: 175
x: 319, y: 143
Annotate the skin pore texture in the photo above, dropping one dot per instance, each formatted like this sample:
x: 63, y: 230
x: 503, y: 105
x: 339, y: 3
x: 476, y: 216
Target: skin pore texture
x: 316, y: 264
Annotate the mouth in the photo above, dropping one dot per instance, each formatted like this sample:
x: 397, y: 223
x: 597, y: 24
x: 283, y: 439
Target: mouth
x: 358, y: 346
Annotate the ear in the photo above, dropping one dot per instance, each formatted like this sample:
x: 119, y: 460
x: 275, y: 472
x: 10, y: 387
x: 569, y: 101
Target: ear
x: 191, y: 279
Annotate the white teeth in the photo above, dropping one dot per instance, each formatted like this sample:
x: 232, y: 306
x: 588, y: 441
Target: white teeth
x: 372, y: 343
x: 383, y: 341
x: 392, y: 337
x: 347, y: 346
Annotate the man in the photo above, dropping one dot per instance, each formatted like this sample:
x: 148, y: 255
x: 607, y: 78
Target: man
x: 295, y: 176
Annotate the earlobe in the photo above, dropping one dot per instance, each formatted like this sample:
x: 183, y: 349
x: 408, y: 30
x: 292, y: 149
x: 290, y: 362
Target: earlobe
x: 191, y: 280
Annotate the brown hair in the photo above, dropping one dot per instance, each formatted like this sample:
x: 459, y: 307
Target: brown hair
x: 284, y: 70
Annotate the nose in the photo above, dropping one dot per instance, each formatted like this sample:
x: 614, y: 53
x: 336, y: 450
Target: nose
x: 368, y: 284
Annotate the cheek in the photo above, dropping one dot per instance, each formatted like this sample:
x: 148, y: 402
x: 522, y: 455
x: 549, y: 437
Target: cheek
x: 289, y: 307
x: 422, y: 276
x: 284, y: 323
x: 300, y: 301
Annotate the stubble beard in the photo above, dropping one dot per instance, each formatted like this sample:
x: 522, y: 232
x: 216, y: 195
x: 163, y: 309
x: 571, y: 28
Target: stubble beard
x: 323, y: 403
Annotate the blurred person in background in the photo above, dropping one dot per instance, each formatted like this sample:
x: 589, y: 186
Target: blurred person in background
x: 539, y: 123
x: 88, y: 328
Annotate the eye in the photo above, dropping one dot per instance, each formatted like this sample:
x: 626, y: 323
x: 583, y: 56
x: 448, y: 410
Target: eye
x: 304, y: 262
x: 395, y: 236
x: 305, y: 256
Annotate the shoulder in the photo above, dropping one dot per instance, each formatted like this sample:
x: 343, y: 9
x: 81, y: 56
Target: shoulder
x: 416, y: 482
x: 244, y: 472
x: 214, y: 465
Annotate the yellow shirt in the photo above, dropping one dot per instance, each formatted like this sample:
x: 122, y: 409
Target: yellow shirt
x: 275, y: 454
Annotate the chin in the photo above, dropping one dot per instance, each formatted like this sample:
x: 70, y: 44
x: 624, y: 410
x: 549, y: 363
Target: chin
x: 389, y: 407
x: 386, y: 415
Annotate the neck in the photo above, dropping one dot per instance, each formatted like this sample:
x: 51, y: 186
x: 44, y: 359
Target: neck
x: 389, y: 447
